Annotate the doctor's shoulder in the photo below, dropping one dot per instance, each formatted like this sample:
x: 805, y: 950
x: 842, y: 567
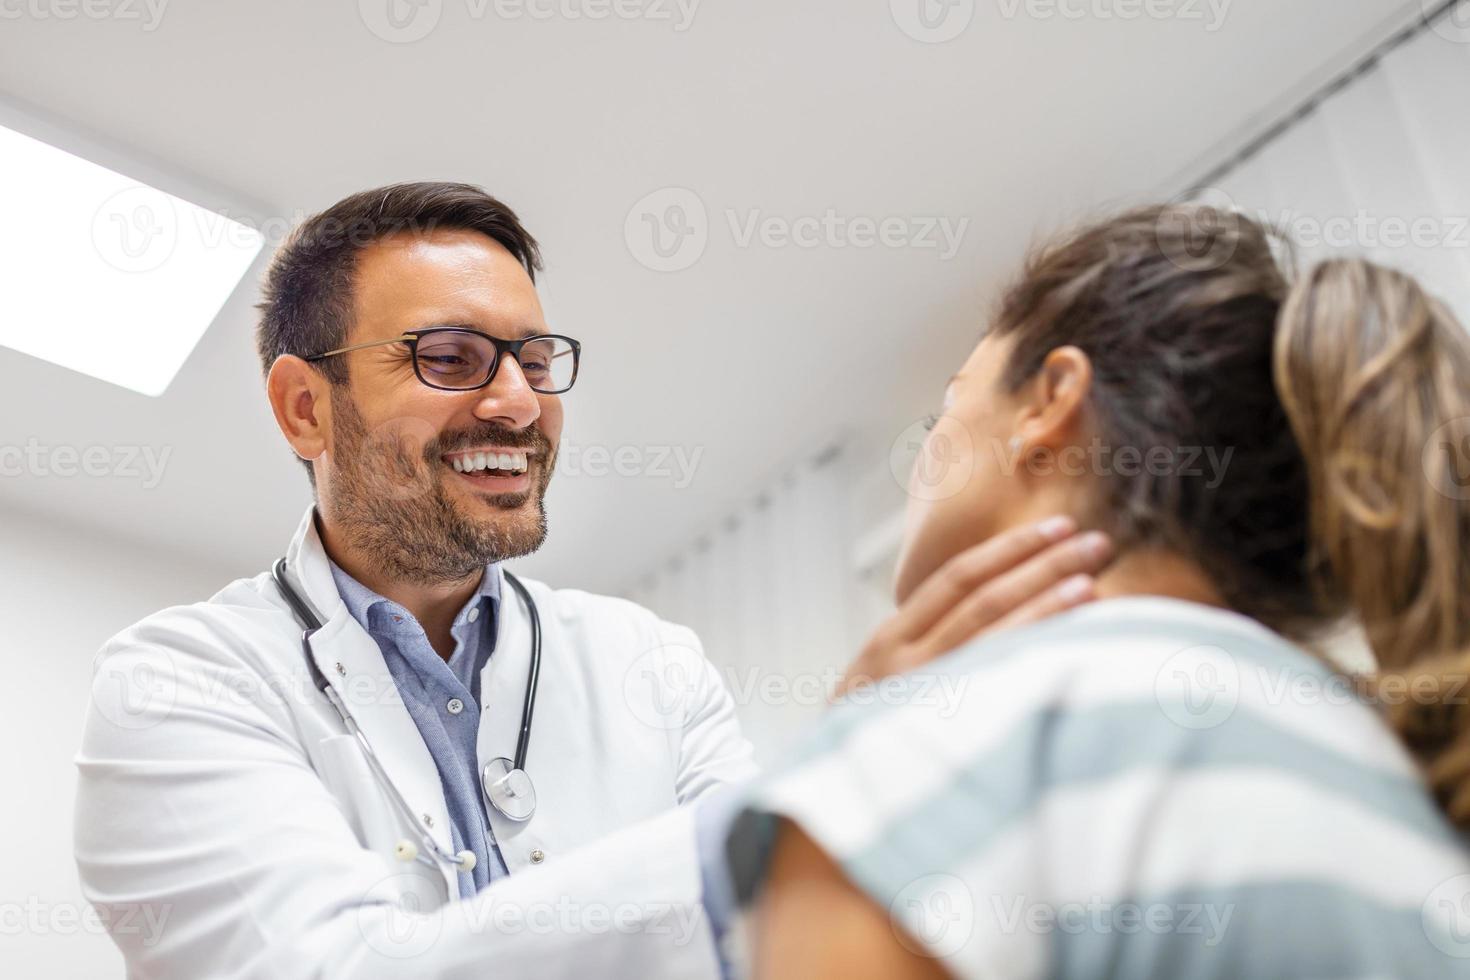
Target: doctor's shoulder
x: 654, y: 676
x: 231, y: 651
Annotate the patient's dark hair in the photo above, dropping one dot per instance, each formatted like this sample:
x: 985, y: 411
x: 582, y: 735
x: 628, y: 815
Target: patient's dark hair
x: 1342, y: 399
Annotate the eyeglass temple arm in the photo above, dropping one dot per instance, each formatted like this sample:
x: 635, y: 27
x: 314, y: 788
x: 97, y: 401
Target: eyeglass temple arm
x: 370, y: 343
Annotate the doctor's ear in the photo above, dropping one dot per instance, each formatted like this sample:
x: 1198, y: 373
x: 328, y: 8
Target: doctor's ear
x: 301, y: 400
x: 1052, y: 402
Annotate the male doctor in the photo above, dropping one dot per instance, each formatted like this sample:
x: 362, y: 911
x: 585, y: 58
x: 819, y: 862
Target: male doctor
x: 252, y: 805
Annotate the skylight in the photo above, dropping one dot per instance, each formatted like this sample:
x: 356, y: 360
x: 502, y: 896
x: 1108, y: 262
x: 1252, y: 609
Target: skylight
x: 104, y: 275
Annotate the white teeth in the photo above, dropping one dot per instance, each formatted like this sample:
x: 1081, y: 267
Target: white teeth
x: 471, y: 462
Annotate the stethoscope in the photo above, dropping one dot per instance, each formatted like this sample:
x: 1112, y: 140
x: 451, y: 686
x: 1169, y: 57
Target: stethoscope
x: 506, y: 785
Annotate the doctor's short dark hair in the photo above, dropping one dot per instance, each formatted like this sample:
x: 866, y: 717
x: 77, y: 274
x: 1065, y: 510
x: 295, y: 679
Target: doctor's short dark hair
x: 306, y: 304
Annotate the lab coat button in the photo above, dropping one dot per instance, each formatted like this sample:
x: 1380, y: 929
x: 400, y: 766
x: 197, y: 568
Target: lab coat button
x: 341, y: 671
x: 537, y: 856
x: 455, y: 706
x: 428, y: 820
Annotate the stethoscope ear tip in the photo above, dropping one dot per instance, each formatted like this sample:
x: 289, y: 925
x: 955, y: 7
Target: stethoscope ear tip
x: 467, y: 861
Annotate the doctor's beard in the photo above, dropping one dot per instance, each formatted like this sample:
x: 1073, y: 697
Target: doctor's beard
x: 390, y: 502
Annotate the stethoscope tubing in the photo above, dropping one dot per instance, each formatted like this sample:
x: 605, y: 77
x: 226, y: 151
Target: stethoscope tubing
x: 312, y: 623
x: 533, y: 677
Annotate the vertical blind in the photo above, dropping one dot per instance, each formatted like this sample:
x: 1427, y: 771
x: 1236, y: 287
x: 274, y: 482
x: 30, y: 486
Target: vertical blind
x: 770, y: 591
x: 1380, y: 168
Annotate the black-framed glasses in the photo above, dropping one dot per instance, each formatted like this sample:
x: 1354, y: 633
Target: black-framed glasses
x: 463, y: 359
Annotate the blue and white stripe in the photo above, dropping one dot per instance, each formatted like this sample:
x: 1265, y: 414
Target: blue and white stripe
x: 1139, y: 788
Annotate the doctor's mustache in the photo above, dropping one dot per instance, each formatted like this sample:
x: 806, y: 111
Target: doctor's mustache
x: 531, y: 439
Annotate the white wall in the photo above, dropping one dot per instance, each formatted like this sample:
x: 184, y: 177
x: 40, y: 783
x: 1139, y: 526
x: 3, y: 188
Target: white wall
x: 790, y: 584
x: 784, y: 590
x: 64, y: 592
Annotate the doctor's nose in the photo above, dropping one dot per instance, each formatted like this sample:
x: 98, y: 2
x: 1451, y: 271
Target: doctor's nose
x: 508, y: 397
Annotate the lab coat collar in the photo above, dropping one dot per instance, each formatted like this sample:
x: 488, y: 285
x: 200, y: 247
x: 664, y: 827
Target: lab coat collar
x: 353, y: 664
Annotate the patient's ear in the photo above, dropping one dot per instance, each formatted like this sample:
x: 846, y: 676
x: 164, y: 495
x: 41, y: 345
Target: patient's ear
x: 1051, y: 403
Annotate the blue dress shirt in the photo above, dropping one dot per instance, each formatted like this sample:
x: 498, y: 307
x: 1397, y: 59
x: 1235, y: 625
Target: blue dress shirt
x: 443, y: 698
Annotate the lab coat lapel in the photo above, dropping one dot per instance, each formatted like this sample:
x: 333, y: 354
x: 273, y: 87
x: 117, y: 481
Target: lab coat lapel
x: 353, y: 664
x: 503, y: 679
x: 503, y: 693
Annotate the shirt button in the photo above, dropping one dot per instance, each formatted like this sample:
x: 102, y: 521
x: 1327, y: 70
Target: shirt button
x: 474, y: 614
x: 537, y: 856
x: 455, y: 706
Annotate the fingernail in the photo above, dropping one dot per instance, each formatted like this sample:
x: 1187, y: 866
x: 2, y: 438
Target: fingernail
x: 1095, y: 544
x: 1075, y: 589
x: 1056, y: 528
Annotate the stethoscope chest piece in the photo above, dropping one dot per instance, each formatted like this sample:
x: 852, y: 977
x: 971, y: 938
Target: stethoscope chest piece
x: 509, y: 789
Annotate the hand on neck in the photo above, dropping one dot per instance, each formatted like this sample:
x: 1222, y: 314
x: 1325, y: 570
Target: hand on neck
x: 1136, y: 571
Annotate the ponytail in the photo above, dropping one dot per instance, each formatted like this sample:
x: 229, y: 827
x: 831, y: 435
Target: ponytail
x: 1374, y: 375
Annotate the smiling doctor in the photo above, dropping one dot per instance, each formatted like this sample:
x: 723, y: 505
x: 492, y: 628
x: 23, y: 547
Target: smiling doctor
x: 388, y: 756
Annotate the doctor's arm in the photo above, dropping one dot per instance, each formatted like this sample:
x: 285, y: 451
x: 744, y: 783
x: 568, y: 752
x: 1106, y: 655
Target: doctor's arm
x: 212, y: 848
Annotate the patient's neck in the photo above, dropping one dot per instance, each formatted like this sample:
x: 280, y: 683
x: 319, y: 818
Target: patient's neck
x: 1160, y: 573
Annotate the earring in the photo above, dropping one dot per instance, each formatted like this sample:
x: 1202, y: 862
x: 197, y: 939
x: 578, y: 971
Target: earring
x: 1015, y: 445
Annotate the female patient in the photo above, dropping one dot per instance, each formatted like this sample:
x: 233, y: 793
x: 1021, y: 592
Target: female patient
x: 1166, y: 783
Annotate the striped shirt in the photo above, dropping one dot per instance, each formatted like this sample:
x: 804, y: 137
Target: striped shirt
x: 1139, y: 788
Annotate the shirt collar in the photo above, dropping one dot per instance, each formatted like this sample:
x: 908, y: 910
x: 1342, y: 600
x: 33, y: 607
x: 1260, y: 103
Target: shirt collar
x: 373, y: 611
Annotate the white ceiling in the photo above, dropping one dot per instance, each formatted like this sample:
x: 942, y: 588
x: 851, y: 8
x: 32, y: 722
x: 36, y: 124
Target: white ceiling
x: 754, y: 354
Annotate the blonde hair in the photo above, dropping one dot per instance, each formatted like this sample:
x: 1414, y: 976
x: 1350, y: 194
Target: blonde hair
x: 1374, y: 374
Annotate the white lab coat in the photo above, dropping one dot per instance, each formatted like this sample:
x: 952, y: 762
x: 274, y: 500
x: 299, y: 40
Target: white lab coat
x: 220, y: 794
